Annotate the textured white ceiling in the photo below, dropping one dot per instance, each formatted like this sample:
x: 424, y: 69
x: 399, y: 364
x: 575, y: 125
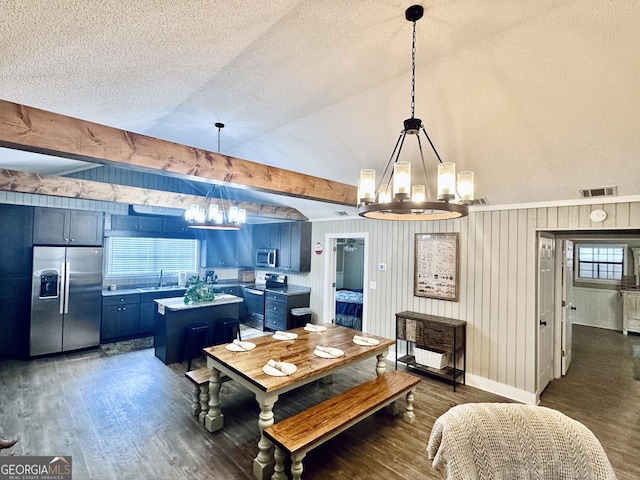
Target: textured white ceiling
x: 539, y: 97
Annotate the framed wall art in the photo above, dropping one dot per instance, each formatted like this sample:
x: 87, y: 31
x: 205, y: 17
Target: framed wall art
x: 436, y: 266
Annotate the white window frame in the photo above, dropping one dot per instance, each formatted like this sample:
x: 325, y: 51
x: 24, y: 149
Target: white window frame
x: 604, y: 281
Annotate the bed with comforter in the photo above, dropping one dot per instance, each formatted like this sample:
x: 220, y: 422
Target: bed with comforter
x: 349, y: 308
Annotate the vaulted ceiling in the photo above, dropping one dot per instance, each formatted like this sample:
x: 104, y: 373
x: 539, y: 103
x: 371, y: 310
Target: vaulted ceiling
x: 539, y: 97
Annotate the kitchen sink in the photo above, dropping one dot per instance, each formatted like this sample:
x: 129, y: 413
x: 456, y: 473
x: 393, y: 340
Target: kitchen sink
x: 155, y: 289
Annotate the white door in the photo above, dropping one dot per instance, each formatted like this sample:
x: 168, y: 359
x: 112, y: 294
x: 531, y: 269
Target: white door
x: 569, y: 310
x: 546, y: 255
x: 330, y: 280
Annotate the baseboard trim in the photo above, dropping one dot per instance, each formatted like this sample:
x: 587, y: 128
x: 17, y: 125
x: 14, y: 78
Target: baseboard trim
x: 487, y: 385
x: 501, y: 389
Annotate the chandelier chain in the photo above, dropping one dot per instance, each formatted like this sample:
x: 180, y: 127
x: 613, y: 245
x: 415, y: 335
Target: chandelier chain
x: 413, y: 72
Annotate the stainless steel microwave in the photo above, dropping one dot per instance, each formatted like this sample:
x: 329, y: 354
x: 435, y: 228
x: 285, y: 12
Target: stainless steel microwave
x: 266, y: 257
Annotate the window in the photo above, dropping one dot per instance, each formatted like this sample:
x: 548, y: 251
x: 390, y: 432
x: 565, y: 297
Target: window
x: 128, y: 256
x: 600, y: 263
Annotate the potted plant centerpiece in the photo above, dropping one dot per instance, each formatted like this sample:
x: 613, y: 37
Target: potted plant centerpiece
x: 198, y: 291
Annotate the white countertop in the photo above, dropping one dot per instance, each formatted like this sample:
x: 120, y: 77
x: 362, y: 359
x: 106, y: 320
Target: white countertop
x: 177, y: 303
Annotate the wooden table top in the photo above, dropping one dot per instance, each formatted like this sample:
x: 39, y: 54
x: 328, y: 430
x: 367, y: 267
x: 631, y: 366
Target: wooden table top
x: 299, y: 352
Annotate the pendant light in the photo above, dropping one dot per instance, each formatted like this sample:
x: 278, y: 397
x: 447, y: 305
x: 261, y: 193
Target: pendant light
x: 211, y: 214
x: 397, y: 198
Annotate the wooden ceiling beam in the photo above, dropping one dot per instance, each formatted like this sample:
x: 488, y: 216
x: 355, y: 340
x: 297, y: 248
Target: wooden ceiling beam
x: 23, y: 182
x: 40, y: 131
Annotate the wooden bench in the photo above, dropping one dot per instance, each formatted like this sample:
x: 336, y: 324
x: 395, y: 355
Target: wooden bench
x: 200, y: 399
x: 302, y: 432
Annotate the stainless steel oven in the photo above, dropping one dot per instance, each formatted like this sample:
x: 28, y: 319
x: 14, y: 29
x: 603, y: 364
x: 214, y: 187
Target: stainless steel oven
x: 254, y: 303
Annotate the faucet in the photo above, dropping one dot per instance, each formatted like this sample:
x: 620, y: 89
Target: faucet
x: 161, y: 282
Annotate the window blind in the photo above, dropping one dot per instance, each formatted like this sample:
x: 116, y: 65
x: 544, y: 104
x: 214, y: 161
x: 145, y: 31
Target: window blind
x: 128, y: 256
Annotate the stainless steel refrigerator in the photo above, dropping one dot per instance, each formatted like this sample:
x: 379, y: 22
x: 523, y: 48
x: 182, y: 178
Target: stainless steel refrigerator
x: 65, y: 299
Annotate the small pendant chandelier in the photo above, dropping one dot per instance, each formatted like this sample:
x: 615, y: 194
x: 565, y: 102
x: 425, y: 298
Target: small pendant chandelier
x: 211, y: 214
x: 397, y: 198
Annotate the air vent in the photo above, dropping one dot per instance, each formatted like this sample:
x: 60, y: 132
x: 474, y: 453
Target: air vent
x: 599, y: 192
x: 480, y: 201
x: 342, y: 214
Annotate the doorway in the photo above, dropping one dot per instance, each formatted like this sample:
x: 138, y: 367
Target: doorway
x: 345, y: 278
x: 576, y: 302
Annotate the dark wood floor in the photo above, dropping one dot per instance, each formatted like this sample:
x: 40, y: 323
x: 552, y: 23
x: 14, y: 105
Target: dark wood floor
x: 127, y: 416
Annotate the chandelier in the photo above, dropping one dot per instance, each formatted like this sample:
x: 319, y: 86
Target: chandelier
x: 350, y: 246
x: 397, y: 198
x: 211, y: 214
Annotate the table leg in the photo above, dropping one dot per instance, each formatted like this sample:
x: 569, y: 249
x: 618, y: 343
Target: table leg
x: 263, y: 464
x: 215, y: 419
x: 381, y: 366
x: 409, y: 416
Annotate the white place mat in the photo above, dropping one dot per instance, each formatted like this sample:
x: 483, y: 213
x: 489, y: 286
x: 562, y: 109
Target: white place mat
x: 274, y: 372
x: 371, y: 343
x: 242, y: 347
x: 329, y: 353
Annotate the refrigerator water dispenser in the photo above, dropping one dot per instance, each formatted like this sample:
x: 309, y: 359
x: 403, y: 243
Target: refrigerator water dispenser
x: 49, y: 281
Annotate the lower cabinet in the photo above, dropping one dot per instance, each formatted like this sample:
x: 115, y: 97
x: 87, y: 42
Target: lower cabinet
x: 147, y: 313
x: 148, y: 308
x: 277, y: 310
x: 120, y: 317
x: 131, y: 315
x: 630, y: 312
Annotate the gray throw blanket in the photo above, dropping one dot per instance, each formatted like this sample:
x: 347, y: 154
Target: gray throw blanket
x: 512, y: 441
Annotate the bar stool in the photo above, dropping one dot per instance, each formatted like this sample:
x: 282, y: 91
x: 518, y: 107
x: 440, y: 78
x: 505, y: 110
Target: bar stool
x: 195, y: 339
x: 230, y: 330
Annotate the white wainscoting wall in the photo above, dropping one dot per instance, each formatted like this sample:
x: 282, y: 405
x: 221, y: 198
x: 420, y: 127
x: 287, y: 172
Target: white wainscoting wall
x: 598, y: 308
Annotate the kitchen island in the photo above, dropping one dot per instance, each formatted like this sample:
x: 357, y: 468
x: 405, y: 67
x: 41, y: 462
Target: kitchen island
x: 173, y: 315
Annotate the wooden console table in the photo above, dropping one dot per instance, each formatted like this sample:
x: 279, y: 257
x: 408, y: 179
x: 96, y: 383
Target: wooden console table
x: 438, y: 334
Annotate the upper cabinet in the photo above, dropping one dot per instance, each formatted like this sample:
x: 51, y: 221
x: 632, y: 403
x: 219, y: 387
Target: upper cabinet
x: 57, y: 226
x: 291, y: 239
x: 218, y: 249
x: 136, y: 223
x: 227, y: 248
x: 266, y: 235
x: 148, y: 226
x: 295, y: 246
x: 244, y: 247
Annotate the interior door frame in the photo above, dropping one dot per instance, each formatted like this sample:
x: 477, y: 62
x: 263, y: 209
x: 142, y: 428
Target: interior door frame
x: 329, y: 294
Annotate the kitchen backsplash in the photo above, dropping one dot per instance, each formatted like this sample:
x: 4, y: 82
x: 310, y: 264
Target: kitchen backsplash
x: 224, y: 274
